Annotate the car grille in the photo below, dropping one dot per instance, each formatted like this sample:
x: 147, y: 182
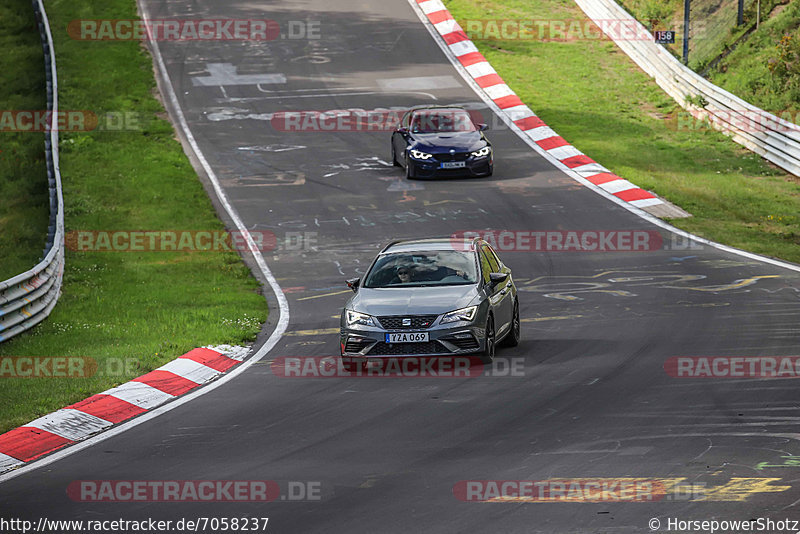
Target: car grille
x: 417, y: 322
x: 464, y: 344
x: 458, y: 156
x: 396, y: 349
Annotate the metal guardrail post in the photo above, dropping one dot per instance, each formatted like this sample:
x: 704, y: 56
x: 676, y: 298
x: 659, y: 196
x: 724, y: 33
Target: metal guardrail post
x: 773, y: 138
x: 686, y: 15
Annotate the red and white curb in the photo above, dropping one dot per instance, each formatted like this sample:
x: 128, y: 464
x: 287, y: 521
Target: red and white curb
x: 100, y: 412
x: 509, y: 103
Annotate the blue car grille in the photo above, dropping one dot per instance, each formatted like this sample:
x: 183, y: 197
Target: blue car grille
x: 458, y: 156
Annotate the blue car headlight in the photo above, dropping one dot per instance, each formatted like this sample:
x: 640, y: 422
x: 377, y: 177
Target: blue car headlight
x: 464, y: 314
x: 485, y: 151
x: 416, y: 154
x: 353, y: 318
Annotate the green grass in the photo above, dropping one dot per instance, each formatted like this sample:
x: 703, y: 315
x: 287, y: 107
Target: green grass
x: 714, y: 24
x: 596, y: 98
x: 135, y: 310
x: 23, y: 180
x: 746, y: 71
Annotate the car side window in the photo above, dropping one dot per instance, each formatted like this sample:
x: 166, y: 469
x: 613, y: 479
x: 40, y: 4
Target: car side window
x: 494, y: 263
x: 486, y: 268
x: 406, y: 119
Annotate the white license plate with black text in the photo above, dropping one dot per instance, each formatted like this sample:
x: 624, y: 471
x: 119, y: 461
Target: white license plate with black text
x: 454, y: 164
x: 407, y: 337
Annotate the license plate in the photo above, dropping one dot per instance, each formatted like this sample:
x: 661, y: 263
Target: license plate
x: 454, y: 164
x: 407, y: 337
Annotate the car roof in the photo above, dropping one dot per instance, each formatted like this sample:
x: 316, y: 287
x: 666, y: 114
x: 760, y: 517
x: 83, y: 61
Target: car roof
x: 436, y: 108
x: 431, y: 244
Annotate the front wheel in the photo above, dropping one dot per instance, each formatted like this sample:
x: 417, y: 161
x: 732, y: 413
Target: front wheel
x: 394, y: 156
x: 487, y: 356
x: 409, y: 174
x: 512, y: 338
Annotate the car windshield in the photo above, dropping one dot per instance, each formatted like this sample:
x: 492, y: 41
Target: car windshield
x: 423, y: 269
x: 444, y: 120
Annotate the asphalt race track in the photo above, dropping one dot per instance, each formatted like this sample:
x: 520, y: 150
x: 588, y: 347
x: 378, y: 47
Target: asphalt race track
x: 590, y: 397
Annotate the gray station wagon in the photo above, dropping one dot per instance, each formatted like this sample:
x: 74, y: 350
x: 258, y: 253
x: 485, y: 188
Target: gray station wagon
x: 430, y: 297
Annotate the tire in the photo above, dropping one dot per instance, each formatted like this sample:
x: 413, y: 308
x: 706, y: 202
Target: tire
x: 409, y: 176
x: 394, y: 156
x: 487, y: 356
x: 512, y: 338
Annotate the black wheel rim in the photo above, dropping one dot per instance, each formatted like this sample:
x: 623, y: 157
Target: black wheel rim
x: 516, y: 321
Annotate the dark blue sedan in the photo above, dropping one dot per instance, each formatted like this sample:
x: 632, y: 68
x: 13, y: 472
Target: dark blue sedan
x: 438, y: 141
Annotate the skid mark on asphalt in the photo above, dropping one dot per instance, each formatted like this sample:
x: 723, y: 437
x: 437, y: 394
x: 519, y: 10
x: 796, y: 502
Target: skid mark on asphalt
x: 576, y: 490
x: 554, y: 318
x: 737, y: 284
x: 569, y: 291
x: 314, y: 332
x: 326, y: 294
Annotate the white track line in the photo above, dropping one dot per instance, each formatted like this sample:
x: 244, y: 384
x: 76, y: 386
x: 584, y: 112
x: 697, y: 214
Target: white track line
x: 283, y: 305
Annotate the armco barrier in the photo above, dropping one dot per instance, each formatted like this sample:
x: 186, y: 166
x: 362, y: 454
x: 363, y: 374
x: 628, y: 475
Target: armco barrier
x: 771, y: 137
x: 26, y: 299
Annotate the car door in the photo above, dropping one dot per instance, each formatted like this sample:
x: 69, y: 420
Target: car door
x: 502, y: 295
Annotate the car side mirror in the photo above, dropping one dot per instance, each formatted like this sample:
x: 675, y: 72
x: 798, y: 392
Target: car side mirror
x: 497, y: 278
x: 483, y: 127
x: 353, y: 284
x: 402, y: 130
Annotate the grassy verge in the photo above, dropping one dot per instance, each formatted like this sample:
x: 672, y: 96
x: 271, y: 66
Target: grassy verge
x: 128, y: 311
x: 588, y: 89
x: 765, y: 69
x: 23, y: 178
x: 714, y: 24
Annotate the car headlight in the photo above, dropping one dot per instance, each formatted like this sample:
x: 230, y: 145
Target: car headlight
x: 416, y: 154
x: 485, y: 151
x: 464, y: 314
x: 354, y: 318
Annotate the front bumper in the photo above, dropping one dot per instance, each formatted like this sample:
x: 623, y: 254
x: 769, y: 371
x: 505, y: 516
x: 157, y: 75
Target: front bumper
x: 359, y: 344
x: 431, y: 168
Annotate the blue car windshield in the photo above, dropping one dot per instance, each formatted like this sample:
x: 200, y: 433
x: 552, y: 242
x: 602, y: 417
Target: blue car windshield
x: 423, y: 269
x: 440, y: 121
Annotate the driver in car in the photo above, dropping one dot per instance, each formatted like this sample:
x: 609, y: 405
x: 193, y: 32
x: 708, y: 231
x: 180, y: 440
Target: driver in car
x: 404, y: 275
